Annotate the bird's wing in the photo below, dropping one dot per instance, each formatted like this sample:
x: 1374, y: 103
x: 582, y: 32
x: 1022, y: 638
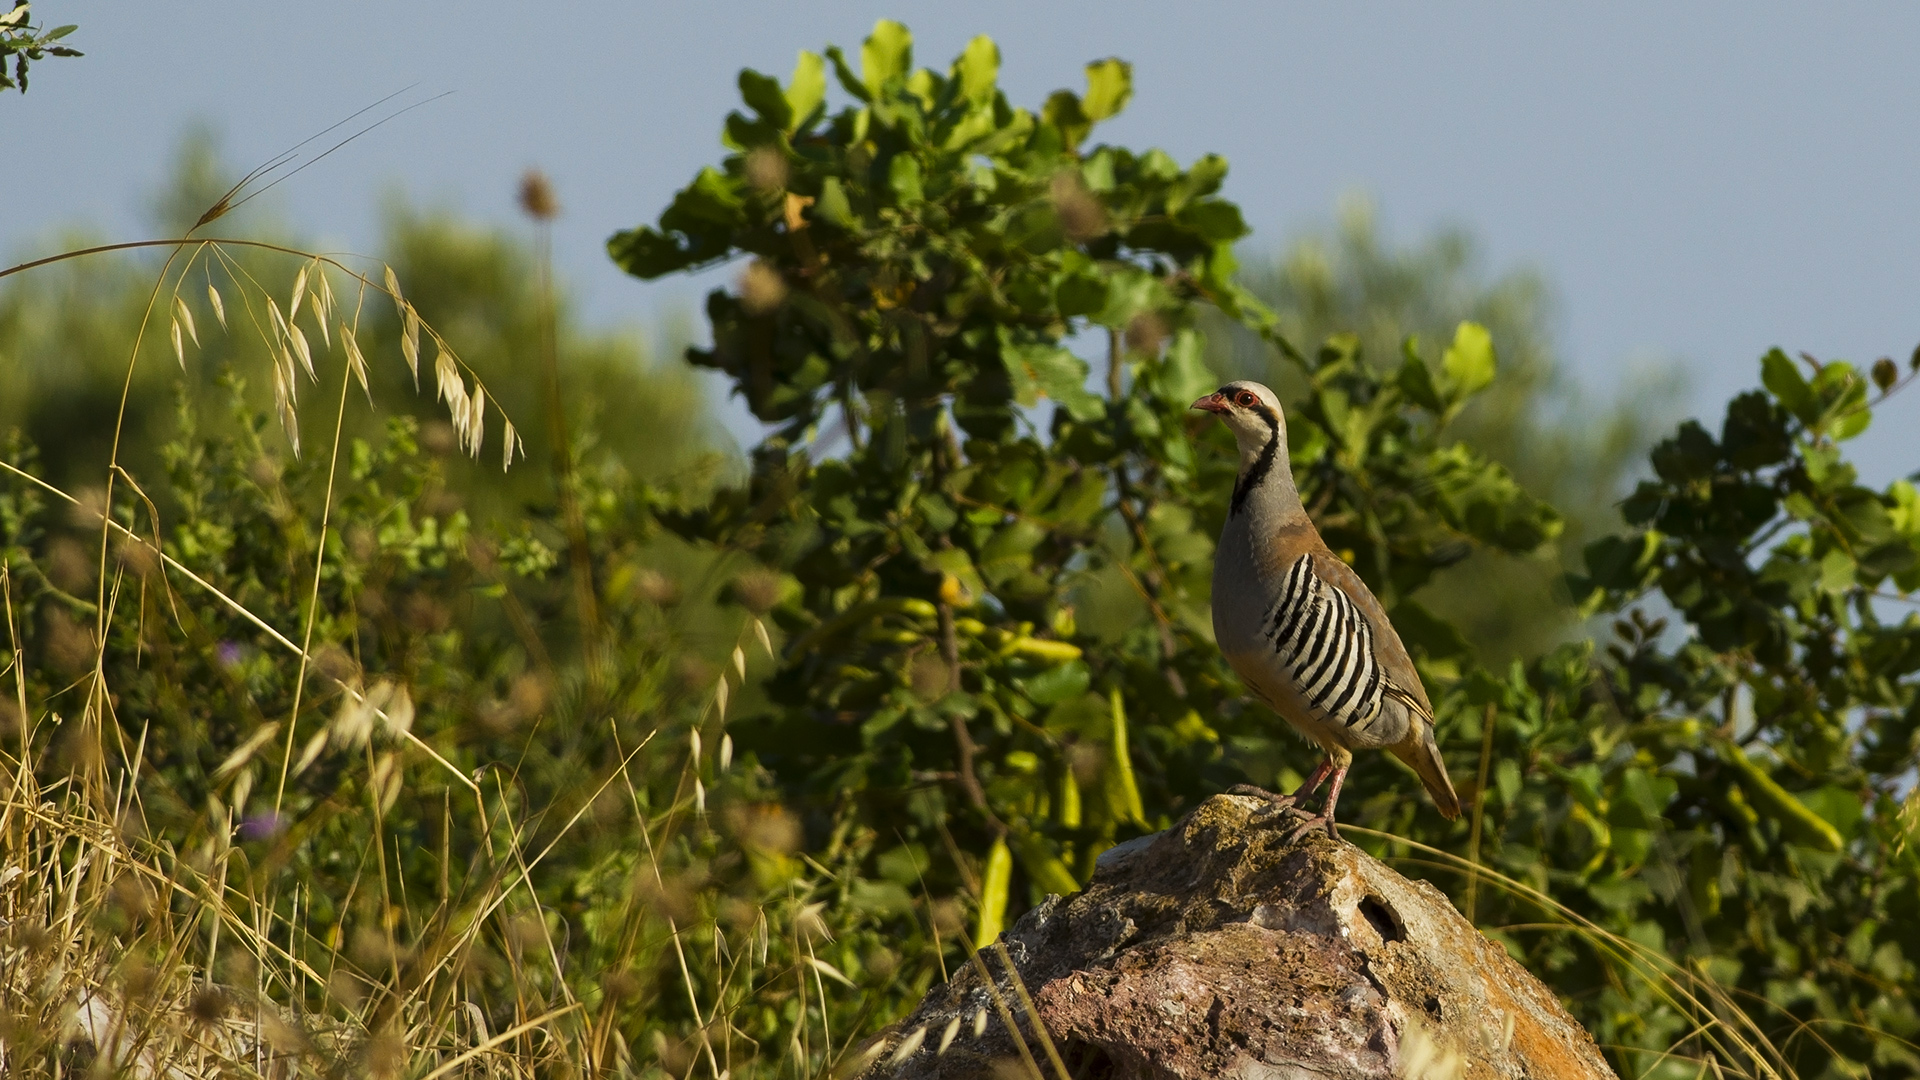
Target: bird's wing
x: 1388, y: 650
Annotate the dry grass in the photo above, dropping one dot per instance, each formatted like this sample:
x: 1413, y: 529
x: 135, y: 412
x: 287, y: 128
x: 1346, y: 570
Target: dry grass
x: 128, y: 949
x: 122, y: 950
x: 123, y: 953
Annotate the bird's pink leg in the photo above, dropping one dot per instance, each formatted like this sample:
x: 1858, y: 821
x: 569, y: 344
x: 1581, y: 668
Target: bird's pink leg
x: 1289, y: 803
x: 1325, y: 818
x: 1318, y: 777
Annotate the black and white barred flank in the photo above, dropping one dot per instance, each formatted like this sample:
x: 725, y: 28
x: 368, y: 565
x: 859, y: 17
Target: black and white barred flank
x: 1322, y: 639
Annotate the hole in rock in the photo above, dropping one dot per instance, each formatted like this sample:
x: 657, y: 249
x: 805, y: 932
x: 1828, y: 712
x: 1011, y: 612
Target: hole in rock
x: 1382, y: 919
x: 1084, y: 1061
x: 1432, y: 1006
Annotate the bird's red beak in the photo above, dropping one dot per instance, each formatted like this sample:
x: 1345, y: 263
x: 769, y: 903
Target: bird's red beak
x: 1213, y: 403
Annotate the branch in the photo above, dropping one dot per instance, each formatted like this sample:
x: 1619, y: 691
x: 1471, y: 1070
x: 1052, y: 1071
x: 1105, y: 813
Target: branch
x: 962, y: 738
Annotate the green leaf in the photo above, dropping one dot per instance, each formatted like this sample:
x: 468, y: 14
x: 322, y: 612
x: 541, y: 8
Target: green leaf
x: 978, y: 70
x: 1064, y: 112
x: 1849, y: 424
x: 1058, y: 684
x: 1010, y: 550
x: 903, y: 176
x: 833, y: 205
x: 1214, y: 220
x: 887, y: 54
x: 907, y: 864
x: 696, y: 228
x: 1796, y: 819
x: 978, y: 125
x: 879, y: 897
x: 1640, y: 799
x: 711, y: 200
x: 1184, y: 373
x: 1506, y: 780
x: 1842, y: 397
x: 1837, y: 806
x: 1043, y: 867
x: 763, y: 95
x: 1415, y: 379
x: 1469, y: 360
x: 1690, y: 455
x: 1203, y: 178
x: 1623, y: 562
x: 1080, y: 291
x: 848, y: 80
x: 1754, y: 434
x: 993, y: 894
x: 957, y: 563
x: 1109, y: 87
x: 1129, y: 790
x: 1067, y: 789
x: 646, y: 253
x: 1085, y: 717
x: 1836, y: 571
x: 1038, y: 369
x: 1894, y: 557
x: 1825, y: 467
x: 807, y: 89
x: 1780, y: 376
x: 926, y: 86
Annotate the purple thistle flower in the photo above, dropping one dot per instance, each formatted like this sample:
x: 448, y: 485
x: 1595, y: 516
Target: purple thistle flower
x: 260, y: 826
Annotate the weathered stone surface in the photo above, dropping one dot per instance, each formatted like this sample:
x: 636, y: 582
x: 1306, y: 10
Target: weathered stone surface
x: 1218, y: 949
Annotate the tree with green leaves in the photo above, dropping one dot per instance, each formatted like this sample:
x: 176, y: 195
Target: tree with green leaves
x: 1000, y: 640
x: 994, y: 574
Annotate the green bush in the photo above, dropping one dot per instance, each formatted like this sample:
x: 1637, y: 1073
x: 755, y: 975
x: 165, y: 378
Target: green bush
x: 999, y: 617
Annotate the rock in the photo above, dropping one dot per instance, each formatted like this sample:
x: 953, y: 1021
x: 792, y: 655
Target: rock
x: 1218, y: 949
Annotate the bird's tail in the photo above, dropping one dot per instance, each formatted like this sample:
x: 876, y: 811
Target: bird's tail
x: 1423, y: 755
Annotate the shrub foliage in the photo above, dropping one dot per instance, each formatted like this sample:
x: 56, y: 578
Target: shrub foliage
x: 960, y: 674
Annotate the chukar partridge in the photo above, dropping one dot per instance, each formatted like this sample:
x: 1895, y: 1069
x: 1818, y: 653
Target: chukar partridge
x: 1300, y: 627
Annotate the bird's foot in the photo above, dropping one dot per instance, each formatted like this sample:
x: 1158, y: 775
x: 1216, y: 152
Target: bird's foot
x: 1310, y: 823
x: 1282, y: 805
x: 1255, y: 792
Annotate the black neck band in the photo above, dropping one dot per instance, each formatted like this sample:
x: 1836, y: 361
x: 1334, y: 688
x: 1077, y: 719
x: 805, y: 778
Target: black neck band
x: 1262, y: 465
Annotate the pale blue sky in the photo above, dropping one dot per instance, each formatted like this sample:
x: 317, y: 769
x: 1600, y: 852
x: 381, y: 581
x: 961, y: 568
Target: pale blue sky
x: 1699, y: 181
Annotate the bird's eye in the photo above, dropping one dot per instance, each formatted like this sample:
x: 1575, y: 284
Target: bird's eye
x: 1244, y: 399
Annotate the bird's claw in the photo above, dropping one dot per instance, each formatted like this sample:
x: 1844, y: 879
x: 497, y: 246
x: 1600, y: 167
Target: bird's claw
x: 1316, y: 821
x: 1281, y: 805
x: 1255, y: 792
